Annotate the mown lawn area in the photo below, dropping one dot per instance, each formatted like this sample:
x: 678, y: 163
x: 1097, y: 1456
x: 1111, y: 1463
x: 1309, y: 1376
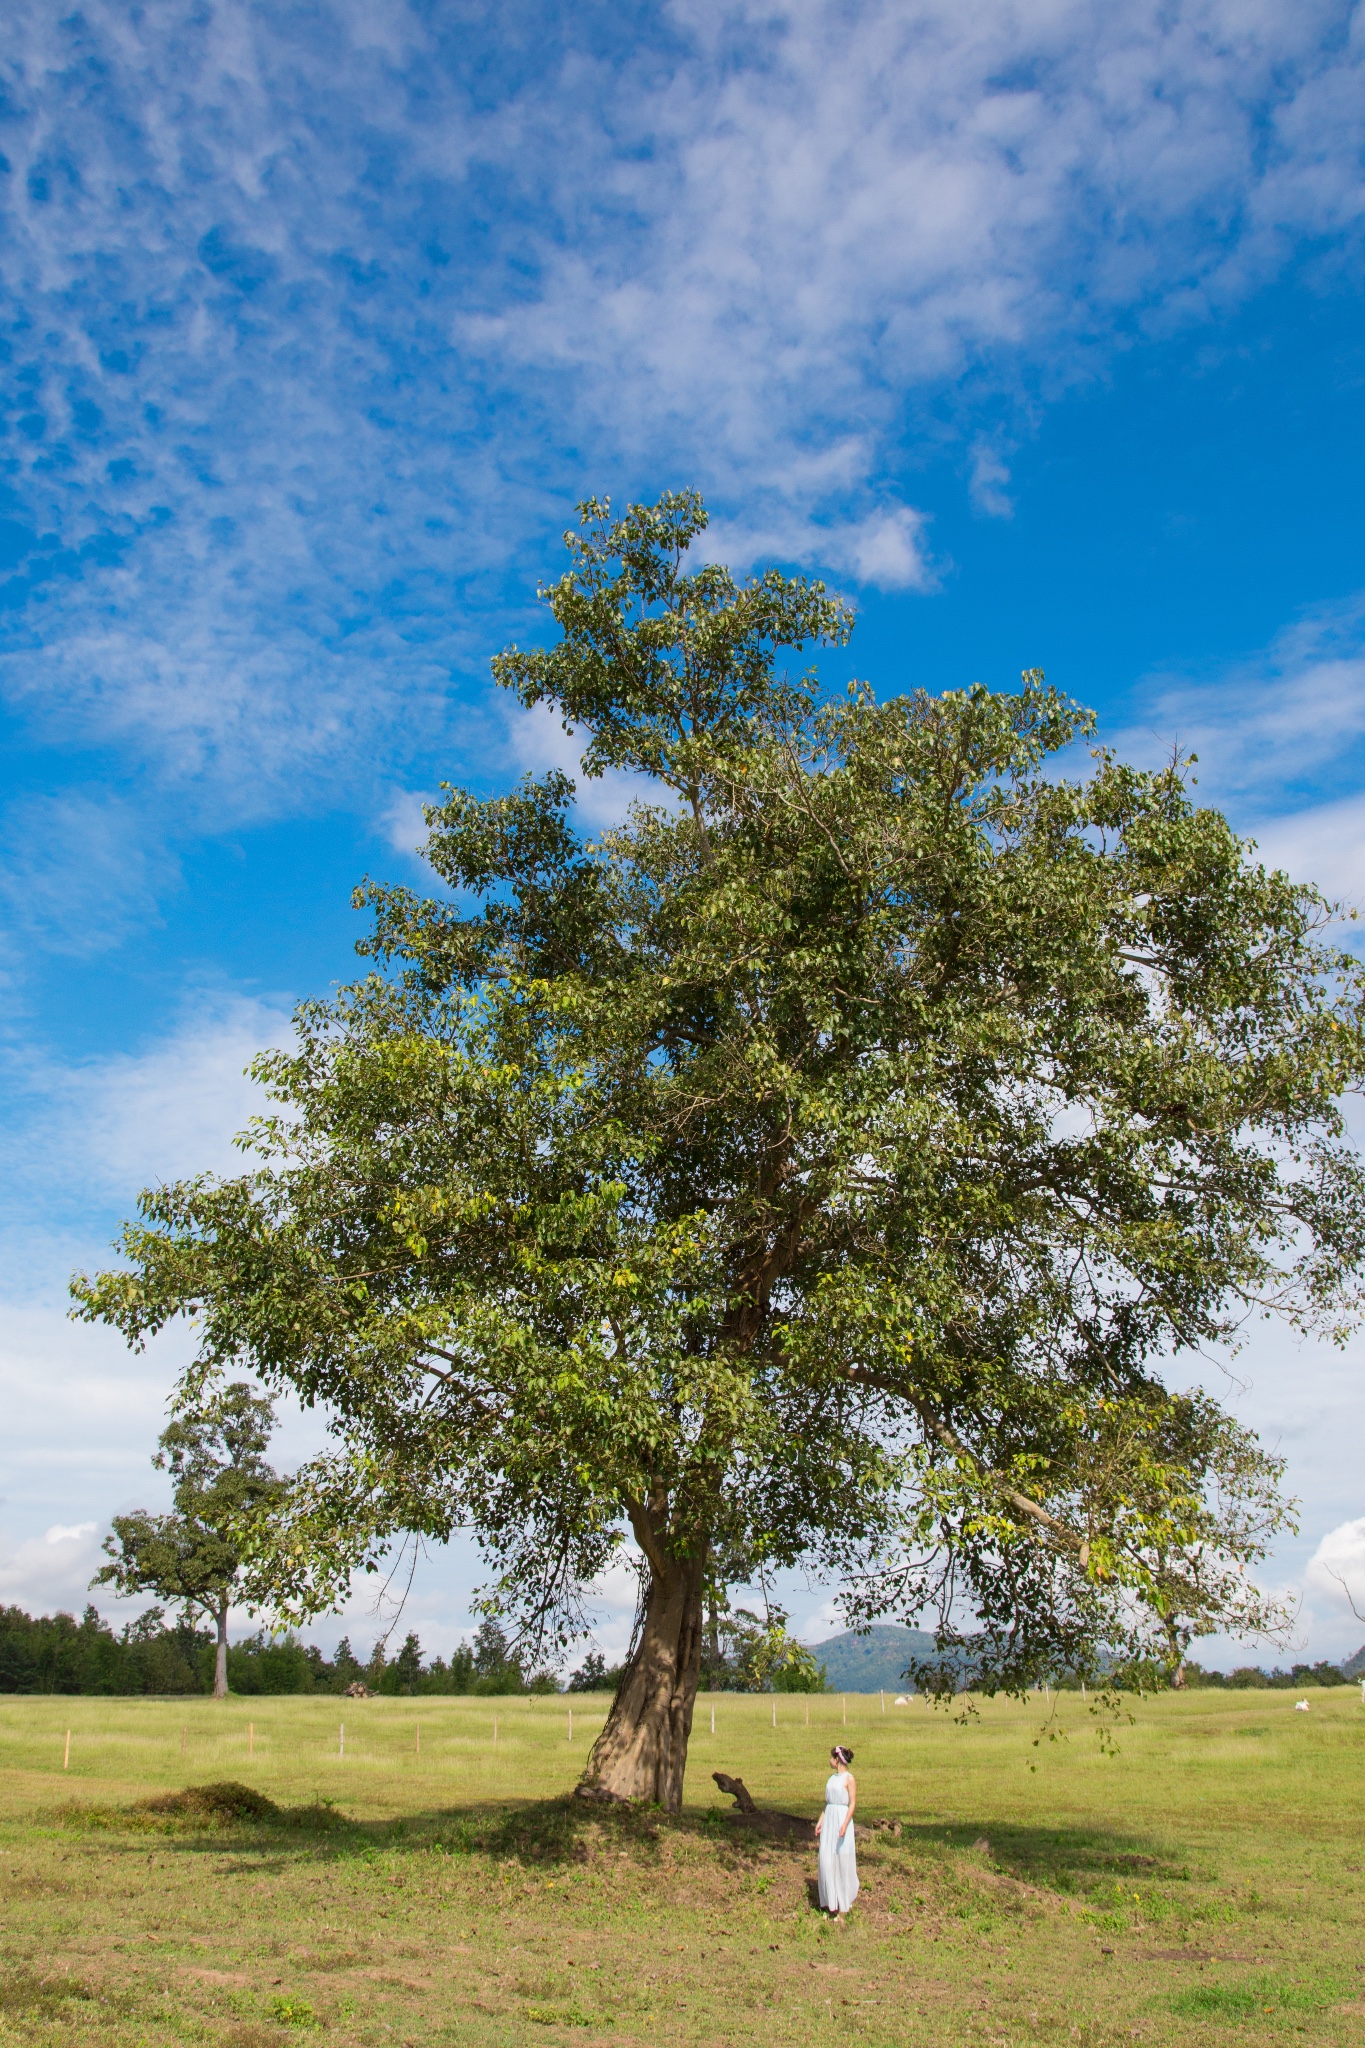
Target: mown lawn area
x: 1205, y: 1884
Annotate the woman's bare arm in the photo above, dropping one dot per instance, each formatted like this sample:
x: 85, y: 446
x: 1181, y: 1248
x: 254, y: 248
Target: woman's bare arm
x: 847, y: 1821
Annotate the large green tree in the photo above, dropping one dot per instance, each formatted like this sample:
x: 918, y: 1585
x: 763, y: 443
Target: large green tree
x: 221, y: 1483
x: 833, y: 1162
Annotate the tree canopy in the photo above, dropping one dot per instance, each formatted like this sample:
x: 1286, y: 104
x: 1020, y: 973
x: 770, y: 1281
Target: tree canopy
x: 834, y: 1162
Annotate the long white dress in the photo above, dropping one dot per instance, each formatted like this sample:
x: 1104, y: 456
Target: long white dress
x: 838, y: 1859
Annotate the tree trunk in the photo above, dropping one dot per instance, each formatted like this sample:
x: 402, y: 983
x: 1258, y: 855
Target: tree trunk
x: 220, y: 1689
x: 642, y: 1751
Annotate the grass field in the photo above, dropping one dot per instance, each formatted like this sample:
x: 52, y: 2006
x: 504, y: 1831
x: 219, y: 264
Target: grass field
x: 1205, y: 1884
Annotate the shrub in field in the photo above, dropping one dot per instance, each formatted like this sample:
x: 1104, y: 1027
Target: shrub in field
x: 225, y: 1800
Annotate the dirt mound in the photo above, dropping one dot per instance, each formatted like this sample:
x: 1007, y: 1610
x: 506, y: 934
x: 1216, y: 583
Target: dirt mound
x: 225, y: 1800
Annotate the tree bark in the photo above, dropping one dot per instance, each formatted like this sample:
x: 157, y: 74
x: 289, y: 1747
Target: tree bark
x: 220, y: 1684
x: 641, y: 1753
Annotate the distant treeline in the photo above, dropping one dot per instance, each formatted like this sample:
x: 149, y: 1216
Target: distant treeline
x: 1249, y: 1676
x: 55, y: 1653
x: 1151, y: 1678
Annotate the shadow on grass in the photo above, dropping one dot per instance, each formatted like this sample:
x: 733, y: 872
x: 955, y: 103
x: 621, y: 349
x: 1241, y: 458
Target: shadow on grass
x: 1056, y: 1859
x: 547, y: 1832
x: 227, y: 1819
x: 221, y: 1819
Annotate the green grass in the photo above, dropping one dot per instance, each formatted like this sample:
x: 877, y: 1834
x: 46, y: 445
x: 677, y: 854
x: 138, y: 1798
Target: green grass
x: 1204, y: 1885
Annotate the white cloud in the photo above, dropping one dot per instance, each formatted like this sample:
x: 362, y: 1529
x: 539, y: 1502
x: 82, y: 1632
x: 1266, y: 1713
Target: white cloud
x: 1337, y: 1569
x: 885, y: 548
x: 837, y: 205
x: 292, y: 384
x: 99, y: 1130
x: 611, y: 1610
x: 51, y: 1571
x: 538, y: 742
x: 1324, y: 845
x: 822, y: 1622
x: 81, y: 1412
x: 403, y: 821
x: 1291, y: 714
x: 990, y: 474
x: 81, y: 871
x: 1285, y: 724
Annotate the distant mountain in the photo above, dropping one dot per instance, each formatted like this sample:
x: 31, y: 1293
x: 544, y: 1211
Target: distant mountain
x: 874, y: 1662
x: 1354, y: 1667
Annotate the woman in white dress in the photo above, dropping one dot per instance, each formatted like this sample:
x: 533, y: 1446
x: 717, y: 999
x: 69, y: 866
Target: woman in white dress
x: 838, y: 1859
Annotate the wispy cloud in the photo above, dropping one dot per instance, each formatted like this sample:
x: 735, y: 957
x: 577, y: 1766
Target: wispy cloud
x: 990, y: 474
x: 80, y: 870
x: 81, y: 1412
x: 311, y: 316
x: 1271, y: 727
x: 1324, y: 845
x: 82, y: 1139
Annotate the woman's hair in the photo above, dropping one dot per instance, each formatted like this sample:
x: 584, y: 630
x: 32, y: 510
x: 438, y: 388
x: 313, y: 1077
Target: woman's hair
x: 845, y: 1756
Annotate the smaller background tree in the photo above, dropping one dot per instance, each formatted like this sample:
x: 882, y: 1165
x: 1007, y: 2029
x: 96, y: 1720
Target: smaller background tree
x: 594, y: 1674
x: 189, y: 1557
x: 747, y: 1652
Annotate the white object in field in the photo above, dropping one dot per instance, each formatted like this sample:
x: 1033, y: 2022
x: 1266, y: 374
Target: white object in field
x: 1300, y: 1706
x: 902, y: 1701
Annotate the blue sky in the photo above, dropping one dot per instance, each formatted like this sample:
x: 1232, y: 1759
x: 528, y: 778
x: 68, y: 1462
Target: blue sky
x: 1036, y: 328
